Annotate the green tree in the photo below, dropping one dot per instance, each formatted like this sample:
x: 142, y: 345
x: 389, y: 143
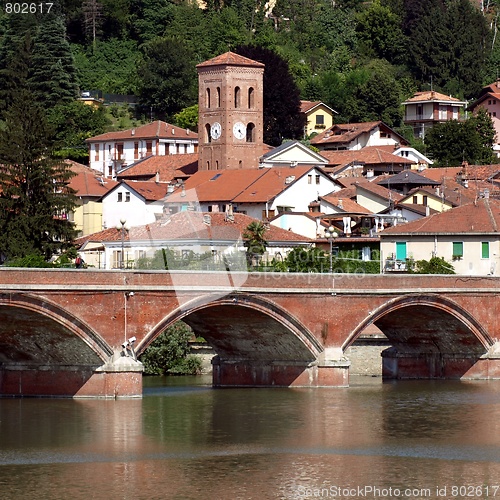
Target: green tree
x: 72, y: 123
x: 282, y: 117
x: 255, y: 242
x: 380, y: 34
x: 436, y: 265
x: 169, y: 81
x: 454, y: 142
x: 187, y: 118
x: 169, y: 353
x: 307, y: 260
x: 483, y: 124
x: 35, y: 198
x: 53, y: 75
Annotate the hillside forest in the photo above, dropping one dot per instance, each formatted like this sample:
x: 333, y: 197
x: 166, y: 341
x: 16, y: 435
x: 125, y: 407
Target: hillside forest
x: 360, y: 58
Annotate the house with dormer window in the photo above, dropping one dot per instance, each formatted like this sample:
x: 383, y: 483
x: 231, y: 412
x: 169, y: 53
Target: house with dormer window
x: 319, y: 116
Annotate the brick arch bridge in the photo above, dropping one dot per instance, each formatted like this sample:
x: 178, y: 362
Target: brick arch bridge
x: 62, y: 331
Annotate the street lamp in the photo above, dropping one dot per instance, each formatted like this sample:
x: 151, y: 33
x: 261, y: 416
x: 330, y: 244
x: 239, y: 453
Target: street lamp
x: 330, y: 235
x: 123, y: 228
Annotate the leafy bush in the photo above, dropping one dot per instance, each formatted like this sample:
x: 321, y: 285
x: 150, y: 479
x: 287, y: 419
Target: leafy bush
x: 169, y: 353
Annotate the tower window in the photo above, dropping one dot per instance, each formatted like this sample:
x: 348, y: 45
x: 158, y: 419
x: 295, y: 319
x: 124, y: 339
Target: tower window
x: 250, y: 132
x: 207, y: 98
x: 208, y: 135
x: 237, y: 97
x: 250, y: 98
x: 218, y: 97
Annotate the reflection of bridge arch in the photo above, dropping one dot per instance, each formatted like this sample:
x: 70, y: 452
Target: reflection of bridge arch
x: 427, y: 323
x: 37, y: 332
x: 244, y: 326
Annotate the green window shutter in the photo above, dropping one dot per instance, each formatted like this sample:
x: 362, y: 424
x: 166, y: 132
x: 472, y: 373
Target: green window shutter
x: 485, y: 250
x: 400, y: 250
x: 458, y: 248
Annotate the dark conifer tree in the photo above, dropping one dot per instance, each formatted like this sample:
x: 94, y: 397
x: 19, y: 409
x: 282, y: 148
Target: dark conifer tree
x: 34, y: 195
x: 53, y: 75
x: 282, y: 117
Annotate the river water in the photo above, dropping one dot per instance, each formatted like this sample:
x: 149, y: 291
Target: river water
x: 185, y: 440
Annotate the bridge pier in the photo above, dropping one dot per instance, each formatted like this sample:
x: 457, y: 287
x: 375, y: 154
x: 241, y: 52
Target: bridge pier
x: 252, y: 373
x: 436, y: 365
x: 120, y: 377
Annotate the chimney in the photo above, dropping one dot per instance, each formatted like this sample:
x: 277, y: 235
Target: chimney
x: 438, y: 193
x: 427, y: 211
x: 340, y: 203
x: 157, y: 177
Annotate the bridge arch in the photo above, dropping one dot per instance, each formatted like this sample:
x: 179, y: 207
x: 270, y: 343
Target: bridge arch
x: 427, y: 323
x: 244, y: 326
x: 37, y: 332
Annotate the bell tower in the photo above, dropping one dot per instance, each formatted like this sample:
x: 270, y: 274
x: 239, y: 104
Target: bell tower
x: 231, y: 116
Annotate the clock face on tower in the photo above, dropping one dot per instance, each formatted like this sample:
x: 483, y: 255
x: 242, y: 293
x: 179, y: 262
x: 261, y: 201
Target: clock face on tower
x: 239, y: 130
x: 215, y: 130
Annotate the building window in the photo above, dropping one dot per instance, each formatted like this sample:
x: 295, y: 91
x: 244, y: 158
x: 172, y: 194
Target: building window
x: 120, y: 197
x: 208, y: 135
x: 149, y: 148
x: 237, y: 96
x: 320, y: 119
x: 318, y: 177
x: 127, y: 196
x: 424, y: 200
x: 218, y: 97
x: 309, y: 179
x: 458, y: 250
x: 251, y: 98
x: 494, y: 101
x: 117, y: 259
x: 207, y: 98
x: 136, y: 150
x: 400, y: 250
x: 96, y: 149
x: 415, y: 200
x: 485, y: 249
x: 250, y: 132
x: 494, y: 113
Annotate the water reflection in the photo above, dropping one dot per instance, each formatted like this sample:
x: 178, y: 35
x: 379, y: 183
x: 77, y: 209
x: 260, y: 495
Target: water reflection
x: 191, y: 441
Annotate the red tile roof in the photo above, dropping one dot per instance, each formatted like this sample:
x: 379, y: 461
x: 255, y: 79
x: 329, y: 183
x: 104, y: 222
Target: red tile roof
x: 480, y: 217
x: 230, y: 59
x: 348, y: 205
x: 169, y: 167
x: 438, y: 174
x: 189, y: 225
x: 431, y: 95
x: 345, y: 133
x: 153, y: 130
x: 239, y: 186
x: 370, y: 155
x: 88, y: 182
x: 378, y: 190
x: 305, y: 106
x: 150, y: 191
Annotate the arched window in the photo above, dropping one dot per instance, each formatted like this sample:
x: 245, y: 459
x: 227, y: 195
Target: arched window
x: 237, y: 97
x: 250, y: 98
x: 216, y: 164
x: 207, y: 98
x: 240, y: 164
x: 250, y: 132
x: 218, y: 97
x: 208, y: 165
x: 208, y: 135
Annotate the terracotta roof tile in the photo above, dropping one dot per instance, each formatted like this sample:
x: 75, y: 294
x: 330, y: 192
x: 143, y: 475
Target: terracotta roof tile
x: 480, y: 217
x: 189, y: 225
x: 348, y: 205
x: 169, y: 167
x: 88, y: 182
x: 305, y: 106
x: 344, y: 133
x: 380, y: 191
x: 431, y: 95
x: 154, y: 130
x: 230, y: 59
x: 370, y: 155
x: 151, y: 191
